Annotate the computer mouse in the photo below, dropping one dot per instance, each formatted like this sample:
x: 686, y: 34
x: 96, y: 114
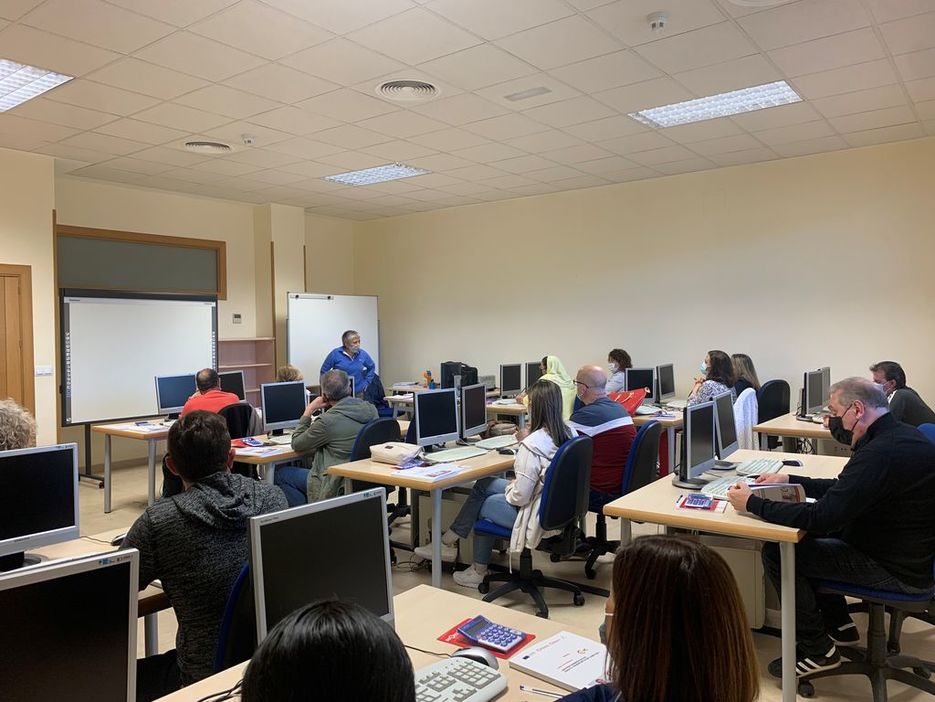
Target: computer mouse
x: 476, y: 653
x: 792, y: 463
x: 507, y: 451
x: 118, y: 539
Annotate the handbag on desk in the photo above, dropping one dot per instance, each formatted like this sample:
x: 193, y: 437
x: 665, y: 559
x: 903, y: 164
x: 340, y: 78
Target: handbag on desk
x: 629, y: 399
x: 394, y: 452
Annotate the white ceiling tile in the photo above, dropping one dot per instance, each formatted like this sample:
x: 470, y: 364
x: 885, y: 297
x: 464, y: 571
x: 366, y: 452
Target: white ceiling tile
x: 234, y: 132
x: 700, y: 47
x: 626, y: 19
x: 12, y: 125
x: 222, y: 165
x: 67, y: 151
x: 523, y: 164
x: 509, y: 181
x: 810, y: 146
x: 723, y: 145
x: 730, y: 75
x: 222, y: 100
x: 569, y: 112
x: 825, y: 54
x: 486, y: 153
x: 170, y: 156
x: 873, y: 119
x: 402, y: 124
x: 37, y: 48
x: 639, y: 96
x: 103, y: 172
x: 794, y: 133
x: 910, y: 34
x: 342, y: 61
x: 667, y: 154
x: 460, y: 109
x: 544, y: 141
x: 577, y: 154
x: 98, y: 23
x: 434, y: 180
x: 859, y: 76
x: 777, y: 116
x: 414, y: 36
x: 135, y: 165
x: 923, y: 89
x: 493, y: 19
x: 690, y: 165
x: 22, y: 142
x: 925, y: 110
x: 347, y: 105
x: 340, y: 16
x: 205, y: 58
x: 610, y: 164
x: 14, y: 9
x: 556, y: 90
x: 105, y: 143
x: 918, y: 64
x: 96, y: 96
x: 737, y: 158
x: 281, y: 83
x: 505, y: 127
x: 803, y: 21
x: 351, y: 137
x: 147, y: 78
x: 476, y: 172
x: 440, y: 162
x: 605, y: 72
x: 65, y: 165
x: 60, y: 113
x: 901, y: 132
x: 585, y: 5
x: 262, y: 158
x: 861, y: 101
x: 558, y: 43
x: 464, y: 188
x: 306, y: 148
x: 640, y: 173
x: 636, y: 142
x: 449, y: 140
x: 607, y: 128
x: 187, y: 119
x: 887, y: 10
x: 398, y: 150
x: 295, y: 121
x: 192, y: 176
x: 554, y: 173
x: 180, y: 13
x: 699, y: 131
x: 142, y: 131
x: 310, y: 169
x: 478, y: 67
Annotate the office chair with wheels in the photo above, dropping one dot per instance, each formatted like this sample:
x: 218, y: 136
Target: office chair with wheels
x: 239, y: 417
x: 772, y: 401
x: 375, y: 432
x: 928, y: 430
x: 237, y: 635
x: 564, y: 502
x: 639, y: 470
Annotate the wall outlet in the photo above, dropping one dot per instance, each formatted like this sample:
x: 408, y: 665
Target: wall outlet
x: 237, y: 318
x: 43, y: 370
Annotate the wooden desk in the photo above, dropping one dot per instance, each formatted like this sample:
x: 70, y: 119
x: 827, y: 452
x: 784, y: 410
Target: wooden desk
x: 787, y: 426
x: 655, y: 503
x: 422, y: 614
x: 369, y: 471
x: 514, y: 409
x: 129, y: 430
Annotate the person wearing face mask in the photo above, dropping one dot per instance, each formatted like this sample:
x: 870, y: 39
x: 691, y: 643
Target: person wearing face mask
x: 905, y: 403
x: 353, y: 360
x: 873, y: 525
x: 717, y: 377
x: 618, y: 361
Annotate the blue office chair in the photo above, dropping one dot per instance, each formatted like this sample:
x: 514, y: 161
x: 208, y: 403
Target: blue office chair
x: 237, y: 635
x: 564, y: 502
x: 929, y: 431
x: 639, y: 471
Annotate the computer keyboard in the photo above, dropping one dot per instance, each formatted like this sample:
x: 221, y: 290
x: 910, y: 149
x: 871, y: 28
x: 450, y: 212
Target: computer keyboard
x: 646, y: 409
x: 504, y: 401
x: 718, y: 488
x: 496, y: 442
x: 281, y: 439
x: 452, y: 455
x: 758, y: 466
x: 677, y: 404
x: 458, y: 680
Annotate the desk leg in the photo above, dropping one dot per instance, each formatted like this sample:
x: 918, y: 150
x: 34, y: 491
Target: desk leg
x: 436, y: 538
x: 670, y: 434
x: 270, y: 474
x: 395, y: 410
x: 764, y: 442
x: 107, y: 473
x: 152, y: 471
x: 521, y: 420
x: 787, y: 599
x: 626, y: 532
x: 150, y: 635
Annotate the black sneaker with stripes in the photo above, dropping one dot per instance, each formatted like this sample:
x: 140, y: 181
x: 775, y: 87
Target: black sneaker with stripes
x: 807, y: 664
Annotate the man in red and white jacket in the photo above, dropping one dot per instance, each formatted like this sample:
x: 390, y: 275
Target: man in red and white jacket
x: 209, y: 397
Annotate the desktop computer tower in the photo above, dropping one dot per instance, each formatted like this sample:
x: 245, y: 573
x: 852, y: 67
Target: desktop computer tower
x: 744, y: 560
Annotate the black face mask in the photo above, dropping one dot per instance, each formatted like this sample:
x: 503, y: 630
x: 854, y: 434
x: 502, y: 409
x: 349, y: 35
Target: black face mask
x: 838, y: 432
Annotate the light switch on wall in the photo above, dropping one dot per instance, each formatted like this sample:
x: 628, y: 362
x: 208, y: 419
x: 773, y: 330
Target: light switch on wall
x: 237, y: 318
x: 43, y: 370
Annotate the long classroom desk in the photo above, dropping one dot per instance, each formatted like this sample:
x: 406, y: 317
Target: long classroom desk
x: 788, y: 427
x: 422, y: 614
x: 655, y: 503
x: 404, y: 403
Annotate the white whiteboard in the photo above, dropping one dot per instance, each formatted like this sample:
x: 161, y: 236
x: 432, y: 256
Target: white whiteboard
x: 315, y: 324
x: 113, y: 347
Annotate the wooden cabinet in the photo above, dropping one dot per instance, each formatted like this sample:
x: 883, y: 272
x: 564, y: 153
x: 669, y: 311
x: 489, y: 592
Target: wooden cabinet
x: 255, y: 357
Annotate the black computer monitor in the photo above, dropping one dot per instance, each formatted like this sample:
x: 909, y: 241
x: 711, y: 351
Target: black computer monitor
x: 636, y: 378
x: 38, y: 501
x: 436, y: 416
x: 68, y: 630
x: 814, y: 389
x: 699, y: 445
x: 282, y: 404
x: 473, y: 410
x: 232, y: 381
x: 172, y: 391
x: 727, y: 441
x: 533, y: 372
x: 665, y: 378
x: 333, y: 549
x: 511, y: 379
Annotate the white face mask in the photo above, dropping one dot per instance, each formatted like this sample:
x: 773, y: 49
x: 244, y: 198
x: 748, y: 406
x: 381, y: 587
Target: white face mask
x: 704, y: 367
x: 612, y: 367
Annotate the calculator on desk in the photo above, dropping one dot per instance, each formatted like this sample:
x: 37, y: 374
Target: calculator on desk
x: 483, y: 632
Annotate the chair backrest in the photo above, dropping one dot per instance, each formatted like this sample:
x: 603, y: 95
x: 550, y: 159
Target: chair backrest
x: 238, y: 418
x: 376, y: 431
x: 640, y: 469
x: 929, y: 431
x: 772, y: 400
x: 746, y: 410
x: 237, y: 635
x: 411, y: 432
x: 567, y: 484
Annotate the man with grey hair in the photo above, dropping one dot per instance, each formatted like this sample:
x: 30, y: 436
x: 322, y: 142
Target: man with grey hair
x: 873, y: 525
x: 329, y: 437
x: 17, y: 427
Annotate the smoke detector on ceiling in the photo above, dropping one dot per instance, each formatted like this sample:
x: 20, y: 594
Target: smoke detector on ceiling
x: 407, y: 90
x: 207, y: 147
x: 657, y: 21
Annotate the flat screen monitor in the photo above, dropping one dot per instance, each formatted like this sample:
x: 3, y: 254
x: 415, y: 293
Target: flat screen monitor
x: 232, y: 381
x: 511, y: 379
x: 636, y: 378
x: 727, y: 441
x: 282, y: 404
x: 665, y: 377
x: 533, y: 372
x: 68, y: 630
x: 172, y: 391
x: 699, y: 442
x: 814, y: 399
x: 473, y: 410
x: 436, y: 416
x: 38, y: 500
x: 826, y: 385
x: 296, y: 559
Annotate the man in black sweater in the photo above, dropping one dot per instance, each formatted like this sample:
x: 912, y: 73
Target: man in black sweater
x: 873, y: 525
x: 906, y: 405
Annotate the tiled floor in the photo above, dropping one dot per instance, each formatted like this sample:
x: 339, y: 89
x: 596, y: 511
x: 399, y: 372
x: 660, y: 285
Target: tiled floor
x: 129, y: 499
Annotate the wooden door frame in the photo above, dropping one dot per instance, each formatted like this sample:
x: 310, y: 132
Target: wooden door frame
x: 24, y: 273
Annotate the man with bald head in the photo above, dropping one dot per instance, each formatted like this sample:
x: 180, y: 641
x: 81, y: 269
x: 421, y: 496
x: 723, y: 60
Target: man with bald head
x: 610, y: 428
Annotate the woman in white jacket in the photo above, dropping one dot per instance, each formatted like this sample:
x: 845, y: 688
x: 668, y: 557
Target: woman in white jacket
x: 512, y: 503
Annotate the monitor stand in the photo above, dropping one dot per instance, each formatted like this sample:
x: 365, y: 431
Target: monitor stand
x: 723, y: 465
x: 171, y: 417
x: 275, y: 432
x: 14, y: 561
x: 688, y: 483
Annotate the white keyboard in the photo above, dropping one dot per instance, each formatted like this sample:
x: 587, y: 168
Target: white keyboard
x: 458, y: 680
x: 759, y: 466
x: 718, y: 488
x: 504, y: 401
x: 280, y: 440
x: 496, y: 442
x: 453, y: 455
x: 646, y: 409
x: 677, y: 404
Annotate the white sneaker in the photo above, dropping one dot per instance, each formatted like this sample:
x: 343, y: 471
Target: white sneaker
x: 468, y: 577
x: 449, y: 553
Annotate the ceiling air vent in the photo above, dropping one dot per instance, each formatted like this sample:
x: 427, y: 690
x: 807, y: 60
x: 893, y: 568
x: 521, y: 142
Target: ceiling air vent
x: 207, y: 147
x: 407, y: 90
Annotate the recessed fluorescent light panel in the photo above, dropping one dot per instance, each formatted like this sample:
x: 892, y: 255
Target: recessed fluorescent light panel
x: 19, y: 83
x: 759, y: 97
x: 380, y: 174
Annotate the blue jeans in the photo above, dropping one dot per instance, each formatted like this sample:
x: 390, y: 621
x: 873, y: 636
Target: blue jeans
x: 486, y: 501
x: 294, y: 483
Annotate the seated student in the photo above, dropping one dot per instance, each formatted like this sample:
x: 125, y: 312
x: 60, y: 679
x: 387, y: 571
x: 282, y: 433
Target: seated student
x: 555, y: 373
x: 288, y: 373
x: 511, y: 503
x: 330, y: 436
x: 744, y: 373
x: 210, y: 396
x: 905, y: 404
x: 196, y: 544
x: 718, y: 377
x: 618, y: 361
x: 610, y: 428
x: 17, y: 427
x: 330, y: 651
x: 680, y: 633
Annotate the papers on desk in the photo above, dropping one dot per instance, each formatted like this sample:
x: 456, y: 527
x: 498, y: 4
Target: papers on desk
x: 263, y: 450
x: 567, y: 660
x: 144, y: 427
x: 398, y: 398
x: 434, y: 472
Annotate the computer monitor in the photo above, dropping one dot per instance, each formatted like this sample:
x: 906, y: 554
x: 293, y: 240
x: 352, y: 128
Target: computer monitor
x: 436, y: 416
x: 813, y: 395
x: 699, y: 445
x: 533, y: 372
x: 727, y: 441
x: 38, y: 500
x: 172, y: 391
x: 232, y: 381
x: 68, y: 630
x: 511, y: 379
x: 636, y: 378
x: 282, y: 404
x: 665, y: 379
x: 473, y: 410
x: 333, y: 549
x: 826, y: 385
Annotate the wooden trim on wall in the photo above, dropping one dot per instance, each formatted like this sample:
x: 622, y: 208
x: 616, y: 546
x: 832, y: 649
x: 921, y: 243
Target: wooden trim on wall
x: 24, y: 273
x: 305, y: 268
x: 272, y: 296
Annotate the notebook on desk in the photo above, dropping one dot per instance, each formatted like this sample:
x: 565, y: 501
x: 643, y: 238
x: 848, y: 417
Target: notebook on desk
x: 566, y: 660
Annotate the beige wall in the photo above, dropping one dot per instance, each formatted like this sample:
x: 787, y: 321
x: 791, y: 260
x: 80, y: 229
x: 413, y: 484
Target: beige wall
x: 822, y: 260
x: 329, y: 254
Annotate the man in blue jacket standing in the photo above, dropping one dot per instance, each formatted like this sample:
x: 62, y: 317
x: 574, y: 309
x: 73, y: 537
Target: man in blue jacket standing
x: 353, y: 360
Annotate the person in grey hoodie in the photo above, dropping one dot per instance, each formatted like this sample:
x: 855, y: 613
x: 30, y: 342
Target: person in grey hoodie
x: 196, y: 544
x: 330, y: 436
